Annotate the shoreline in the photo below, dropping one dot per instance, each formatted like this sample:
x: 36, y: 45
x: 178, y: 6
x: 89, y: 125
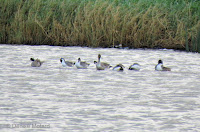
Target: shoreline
x: 124, y: 48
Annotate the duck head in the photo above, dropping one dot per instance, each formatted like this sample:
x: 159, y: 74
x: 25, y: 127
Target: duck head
x: 99, y: 56
x: 62, y: 59
x: 95, y: 62
x: 32, y: 59
x: 160, y: 62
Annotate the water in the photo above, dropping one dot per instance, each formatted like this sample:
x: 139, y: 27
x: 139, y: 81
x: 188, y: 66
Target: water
x: 56, y: 98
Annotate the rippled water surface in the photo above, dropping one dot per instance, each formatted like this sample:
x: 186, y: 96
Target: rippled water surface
x: 87, y: 100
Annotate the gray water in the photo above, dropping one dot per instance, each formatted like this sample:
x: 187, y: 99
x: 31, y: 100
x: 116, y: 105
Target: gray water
x: 56, y: 98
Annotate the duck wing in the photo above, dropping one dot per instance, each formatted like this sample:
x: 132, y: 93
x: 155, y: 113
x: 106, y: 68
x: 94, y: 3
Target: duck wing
x: 166, y: 69
x: 69, y: 63
x: 84, y: 64
x: 35, y: 64
x: 105, y: 65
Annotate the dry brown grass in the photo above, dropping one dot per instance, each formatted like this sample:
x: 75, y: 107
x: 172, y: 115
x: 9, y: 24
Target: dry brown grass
x: 96, y: 24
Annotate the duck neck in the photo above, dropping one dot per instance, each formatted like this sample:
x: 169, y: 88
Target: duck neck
x: 63, y: 62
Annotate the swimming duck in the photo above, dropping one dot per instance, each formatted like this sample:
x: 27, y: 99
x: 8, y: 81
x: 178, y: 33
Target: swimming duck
x: 135, y: 67
x: 119, y: 67
x: 36, y: 63
x: 81, y: 65
x: 119, y: 46
x: 66, y: 63
x: 101, y: 65
x: 160, y: 67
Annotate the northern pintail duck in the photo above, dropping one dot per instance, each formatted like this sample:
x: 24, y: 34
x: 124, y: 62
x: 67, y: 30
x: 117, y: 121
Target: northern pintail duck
x: 66, y: 63
x: 160, y: 67
x: 101, y: 65
x: 135, y: 67
x: 119, y: 67
x: 36, y: 63
x: 81, y: 65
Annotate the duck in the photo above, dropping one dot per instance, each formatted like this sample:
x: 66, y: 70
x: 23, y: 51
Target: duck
x: 101, y: 65
x: 119, y: 46
x: 36, y: 63
x: 81, y: 64
x: 66, y: 63
x: 160, y: 67
x: 119, y: 67
x: 135, y: 67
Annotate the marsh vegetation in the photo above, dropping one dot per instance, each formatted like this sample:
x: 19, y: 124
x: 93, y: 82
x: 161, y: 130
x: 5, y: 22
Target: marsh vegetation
x: 170, y: 24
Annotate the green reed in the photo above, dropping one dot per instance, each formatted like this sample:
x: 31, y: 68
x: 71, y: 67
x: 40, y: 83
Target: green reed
x: 99, y: 23
x: 198, y: 41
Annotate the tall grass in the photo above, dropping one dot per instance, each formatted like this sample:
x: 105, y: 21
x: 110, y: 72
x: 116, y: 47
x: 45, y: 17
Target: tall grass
x: 99, y: 23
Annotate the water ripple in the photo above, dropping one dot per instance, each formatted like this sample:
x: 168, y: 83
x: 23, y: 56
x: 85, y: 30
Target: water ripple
x: 70, y: 99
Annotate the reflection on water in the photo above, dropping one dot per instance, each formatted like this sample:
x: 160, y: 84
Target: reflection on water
x: 70, y: 99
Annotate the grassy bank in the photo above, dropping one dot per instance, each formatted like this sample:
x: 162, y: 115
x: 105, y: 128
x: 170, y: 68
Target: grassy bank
x: 97, y: 23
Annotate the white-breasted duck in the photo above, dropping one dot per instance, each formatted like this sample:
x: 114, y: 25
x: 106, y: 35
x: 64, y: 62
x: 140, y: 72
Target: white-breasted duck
x: 119, y: 67
x: 66, y: 63
x: 101, y: 65
x: 81, y: 64
x: 160, y: 67
x: 135, y: 67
